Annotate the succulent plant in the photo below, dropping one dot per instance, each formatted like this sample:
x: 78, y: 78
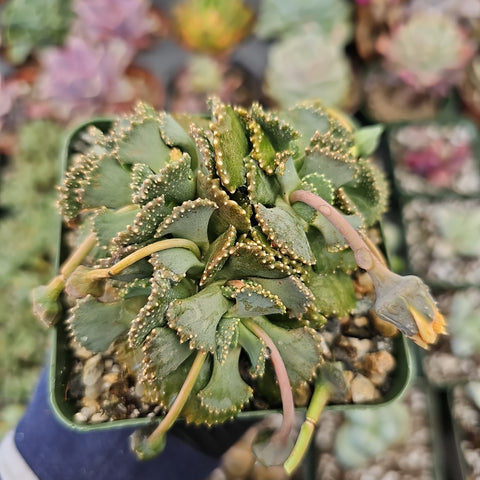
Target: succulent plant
x: 211, y: 26
x: 318, y: 69
x: 279, y: 18
x: 81, y: 79
x: 365, y: 434
x: 464, y: 322
x: 430, y: 157
x: 428, y: 51
x: 129, y: 20
x: 460, y: 230
x: 227, y: 242
x: 29, y: 26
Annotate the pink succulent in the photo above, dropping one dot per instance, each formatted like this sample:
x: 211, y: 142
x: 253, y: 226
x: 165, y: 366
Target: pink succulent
x: 128, y: 20
x: 437, y: 161
x: 81, y: 79
x: 428, y: 51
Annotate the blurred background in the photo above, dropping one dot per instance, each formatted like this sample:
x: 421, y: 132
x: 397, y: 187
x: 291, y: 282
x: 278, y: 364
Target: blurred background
x: 412, y: 66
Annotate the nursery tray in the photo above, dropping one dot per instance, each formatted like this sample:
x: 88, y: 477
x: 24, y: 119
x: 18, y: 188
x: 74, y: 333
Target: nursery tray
x: 218, y: 436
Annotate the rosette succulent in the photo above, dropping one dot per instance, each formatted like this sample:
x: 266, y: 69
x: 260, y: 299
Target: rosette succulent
x: 130, y: 21
x: 83, y: 79
x: 276, y: 18
x: 211, y: 26
x: 428, y: 51
x: 318, y: 68
x: 218, y: 246
x: 30, y: 26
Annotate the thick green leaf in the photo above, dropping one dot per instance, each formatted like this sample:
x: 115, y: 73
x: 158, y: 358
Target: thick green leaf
x: 189, y: 220
x: 261, y: 188
x: 175, y: 182
x: 178, y: 261
x: 226, y: 392
x: 285, y: 230
x: 230, y: 144
x: 255, y: 348
x: 334, y: 293
x: 226, y: 337
x: 163, y: 353
x: 251, y: 299
x: 144, y: 224
x: 174, y: 135
x: 368, y: 194
x: 218, y: 253
x: 196, y: 318
x: 96, y: 325
x: 108, y: 223
x: 293, y: 293
x: 152, y: 314
x: 251, y: 259
x: 299, y: 348
x: 229, y: 211
x: 327, y: 259
x: 367, y: 139
x: 138, y: 139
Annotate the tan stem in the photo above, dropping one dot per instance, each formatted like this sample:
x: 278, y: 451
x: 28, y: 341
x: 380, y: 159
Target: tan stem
x: 152, y: 248
x: 180, y: 400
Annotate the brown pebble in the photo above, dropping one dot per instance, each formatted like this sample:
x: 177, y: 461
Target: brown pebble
x: 363, y: 390
x: 378, y: 365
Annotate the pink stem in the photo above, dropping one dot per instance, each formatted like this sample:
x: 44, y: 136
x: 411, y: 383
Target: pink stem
x: 286, y: 395
x: 363, y: 255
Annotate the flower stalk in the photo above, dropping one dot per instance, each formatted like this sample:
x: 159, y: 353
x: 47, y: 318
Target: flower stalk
x: 403, y: 301
x: 283, y: 433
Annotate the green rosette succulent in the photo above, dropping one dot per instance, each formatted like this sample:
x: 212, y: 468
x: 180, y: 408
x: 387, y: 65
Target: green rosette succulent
x: 204, y: 249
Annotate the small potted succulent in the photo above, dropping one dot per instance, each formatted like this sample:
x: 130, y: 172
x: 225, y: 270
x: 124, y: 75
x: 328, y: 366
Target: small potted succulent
x: 422, y: 59
x: 435, y: 158
x: 442, y: 237
x: 314, y: 36
x: 210, y: 259
x: 211, y: 32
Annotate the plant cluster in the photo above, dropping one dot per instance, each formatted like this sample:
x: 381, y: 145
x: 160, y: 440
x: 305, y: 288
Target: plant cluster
x: 234, y: 240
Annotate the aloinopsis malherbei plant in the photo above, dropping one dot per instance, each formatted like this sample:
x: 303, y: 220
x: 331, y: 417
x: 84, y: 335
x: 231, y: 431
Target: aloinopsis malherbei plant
x: 234, y: 240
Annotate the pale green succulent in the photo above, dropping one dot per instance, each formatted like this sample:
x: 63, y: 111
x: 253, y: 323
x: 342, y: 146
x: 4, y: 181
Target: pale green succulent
x: 29, y: 26
x: 308, y: 65
x: 277, y: 18
x: 366, y: 434
x: 464, y: 323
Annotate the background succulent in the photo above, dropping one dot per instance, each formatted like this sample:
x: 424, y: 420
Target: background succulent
x: 30, y: 26
x: 369, y: 433
x: 430, y: 157
x: 427, y: 51
x: 130, y: 21
x: 80, y: 79
x: 318, y: 68
x: 464, y: 322
x: 211, y: 26
x: 279, y: 18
